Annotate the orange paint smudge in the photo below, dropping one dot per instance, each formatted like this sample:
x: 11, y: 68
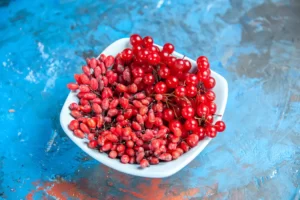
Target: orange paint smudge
x: 30, y: 196
x: 155, y: 190
x: 60, y: 190
x: 185, y: 195
x: 135, y: 194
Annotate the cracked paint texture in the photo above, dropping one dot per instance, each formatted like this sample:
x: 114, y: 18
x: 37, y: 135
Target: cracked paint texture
x: 254, y: 44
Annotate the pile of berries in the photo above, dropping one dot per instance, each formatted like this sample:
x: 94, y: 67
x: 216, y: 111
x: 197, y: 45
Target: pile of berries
x: 144, y: 105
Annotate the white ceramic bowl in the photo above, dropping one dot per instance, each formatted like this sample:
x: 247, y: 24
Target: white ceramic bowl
x: 163, y: 169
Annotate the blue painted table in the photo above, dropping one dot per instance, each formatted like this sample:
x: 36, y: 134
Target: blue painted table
x: 254, y: 44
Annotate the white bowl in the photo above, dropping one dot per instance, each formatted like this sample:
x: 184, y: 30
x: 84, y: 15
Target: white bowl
x: 163, y: 169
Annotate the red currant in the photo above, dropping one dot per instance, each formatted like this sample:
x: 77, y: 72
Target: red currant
x: 188, y: 112
x: 201, y: 99
x: 143, y: 55
x: 171, y: 61
x: 137, y: 49
x: 147, y: 41
x: 164, y: 56
x: 160, y: 88
x: 178, y: 65
x: 153, y: 58
x: 191, y: 124
x: 127, y: 54
x: 201, y: 58
x: 180, y: 91
x: 164, y: 71
x: 220, y: 126
x: 172, y: 82
x: 135, y: 40
x: 202, y: 110
x: 149, y: 79
x: 191, y: 91
x: 168, y: 114
x: 137, y: 72
x: 191, y: 79
x: 186, y: 65
x: 210, y: 95
x: 200, y: 131
x: 203, y: 65
x: 168, y: 47
x: 209, y: 119
x: 203, y: 75
x: 212, y: 107
x: 153, y: 49
x: 209, y: 83
x: 211, y: 131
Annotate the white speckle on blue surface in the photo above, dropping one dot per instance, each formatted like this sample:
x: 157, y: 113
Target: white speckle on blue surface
x: 41, y: 49
x: 30, y: 77
x: 159, y: 4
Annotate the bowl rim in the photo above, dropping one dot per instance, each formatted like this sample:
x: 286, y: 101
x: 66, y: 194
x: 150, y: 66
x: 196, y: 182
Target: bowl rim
x: 145, y: 172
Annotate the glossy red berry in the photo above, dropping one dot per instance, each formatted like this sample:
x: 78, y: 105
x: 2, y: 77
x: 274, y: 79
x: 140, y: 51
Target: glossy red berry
x: 135, y: 40
x: 202, y: 65
x: 200, y: 131
x: 137, y: 72
x: 164, y: 71
x: 143, y: 55
x: 191, y: 124
x: 201, y: 58
x: 160, y: 88
x: 127, y: 55
x: 201, y: 99
x: 191, y: 79
x: 210, y: 95
x: 188, y: 112
x: 153, y: 58
x: 209, y: 83
x: 168, y: 114
x: 220, y: 126
x: 137, y: 49
x: 211, y: 131
x: 203, y: 75
x: 153, y: 49
x: 209, y: 119
x: 149, y: 79
x: 212, y: 107
x: 202, y: 110
x: 172, y: 82
x: 179, y: 65
x: 186, y: 65
x: 147, y: 41
x: 180, y: 91
x: 171, y: 61
x: 164, y: 56
x: 191, y: 91
x: 168, y: 47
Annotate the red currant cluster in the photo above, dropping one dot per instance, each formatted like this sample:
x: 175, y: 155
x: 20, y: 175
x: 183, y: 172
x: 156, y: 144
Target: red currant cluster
x: 144, y: 106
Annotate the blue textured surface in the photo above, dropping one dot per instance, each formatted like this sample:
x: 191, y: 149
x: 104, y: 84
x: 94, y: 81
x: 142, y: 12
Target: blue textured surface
x: 254, y: 44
